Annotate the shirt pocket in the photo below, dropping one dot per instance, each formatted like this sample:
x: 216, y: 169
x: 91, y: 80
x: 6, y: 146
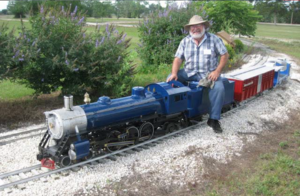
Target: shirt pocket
x: 189, y: 57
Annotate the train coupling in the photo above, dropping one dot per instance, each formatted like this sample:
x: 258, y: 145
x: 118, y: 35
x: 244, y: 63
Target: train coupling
x: 48, y: 163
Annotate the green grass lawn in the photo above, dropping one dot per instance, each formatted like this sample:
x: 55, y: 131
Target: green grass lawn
x: 130, y: 31
x: 292, y: 48
x: 15, y: 24
x: 278, y: 31
x: 6, y: 17
x: 11, y: 90
x: 99, y: 20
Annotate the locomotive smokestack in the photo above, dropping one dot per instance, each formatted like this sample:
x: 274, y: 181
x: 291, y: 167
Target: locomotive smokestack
x: 68, y: 101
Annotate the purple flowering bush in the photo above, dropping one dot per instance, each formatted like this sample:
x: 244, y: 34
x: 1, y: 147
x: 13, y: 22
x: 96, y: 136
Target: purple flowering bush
x: 7, y: 40
x: 58, y: 53
x: 161, y: 32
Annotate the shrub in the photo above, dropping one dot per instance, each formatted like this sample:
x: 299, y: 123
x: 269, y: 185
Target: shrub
x: 161, y: 33
x: 58, y: 54
x: 240, y: 15
x: 239, y: 46
x: 231, y: 51
x: 6, y: 41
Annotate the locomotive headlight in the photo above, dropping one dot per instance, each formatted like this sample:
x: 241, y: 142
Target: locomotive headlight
x: 55, y: 127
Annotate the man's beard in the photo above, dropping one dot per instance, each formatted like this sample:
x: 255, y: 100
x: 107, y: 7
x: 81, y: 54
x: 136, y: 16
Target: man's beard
x: 198, y: 36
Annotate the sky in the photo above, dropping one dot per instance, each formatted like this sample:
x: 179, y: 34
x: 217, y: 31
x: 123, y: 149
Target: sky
x: 3, y: 5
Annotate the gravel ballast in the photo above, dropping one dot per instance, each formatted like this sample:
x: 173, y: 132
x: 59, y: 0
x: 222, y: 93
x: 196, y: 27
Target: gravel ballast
x: 176, y: 161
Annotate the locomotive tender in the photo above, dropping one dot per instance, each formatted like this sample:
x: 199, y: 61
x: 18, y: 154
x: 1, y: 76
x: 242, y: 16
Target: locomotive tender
x: 80, y: 132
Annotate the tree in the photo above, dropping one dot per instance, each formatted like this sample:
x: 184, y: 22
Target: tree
x: 21, y: 7
x: 102, y: 9
x: 129, y: 8
x: 294, y: 8
x: 4, y: 11
x: 18, y: 8
x: 263, y: 10
x: 88, y: 7
x: 276, y: 8
x: 271, y: 9
x: 239, y: 15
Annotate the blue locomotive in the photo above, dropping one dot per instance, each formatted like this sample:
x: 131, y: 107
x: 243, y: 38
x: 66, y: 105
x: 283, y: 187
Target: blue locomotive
x: 78, y: 132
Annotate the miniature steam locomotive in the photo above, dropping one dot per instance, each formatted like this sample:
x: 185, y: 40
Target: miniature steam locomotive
x: 75, y: 133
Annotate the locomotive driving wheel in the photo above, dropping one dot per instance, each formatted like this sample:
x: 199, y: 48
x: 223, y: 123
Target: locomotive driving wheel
x: 146, y: 131
x: 113, y: 137
x: 171, y: 127
x: 132, y: 133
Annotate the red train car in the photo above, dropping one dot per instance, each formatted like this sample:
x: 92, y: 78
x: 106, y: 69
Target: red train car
x: 251, y: 81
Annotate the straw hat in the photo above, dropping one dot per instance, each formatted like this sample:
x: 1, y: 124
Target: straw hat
x: 196, y: 20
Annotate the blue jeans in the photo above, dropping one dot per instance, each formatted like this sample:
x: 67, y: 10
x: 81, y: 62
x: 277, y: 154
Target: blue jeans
x: 216, y: 95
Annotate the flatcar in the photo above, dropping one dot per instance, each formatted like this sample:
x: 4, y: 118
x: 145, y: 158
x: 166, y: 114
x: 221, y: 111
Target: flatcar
x: 75, y: 133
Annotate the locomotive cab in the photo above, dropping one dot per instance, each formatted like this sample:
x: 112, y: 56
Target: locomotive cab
x: 173, y: 94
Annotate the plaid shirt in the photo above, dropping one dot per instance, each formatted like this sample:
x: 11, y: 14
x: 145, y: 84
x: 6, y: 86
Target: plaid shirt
x: 202, y: 58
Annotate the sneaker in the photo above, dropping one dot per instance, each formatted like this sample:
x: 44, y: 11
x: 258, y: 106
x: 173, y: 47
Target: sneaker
x: 215, y: 124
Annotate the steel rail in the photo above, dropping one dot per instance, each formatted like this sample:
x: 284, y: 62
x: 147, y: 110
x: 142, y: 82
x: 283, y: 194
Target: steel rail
x: 21, y: 138
x: 21, y: 133
x: 6, y: 175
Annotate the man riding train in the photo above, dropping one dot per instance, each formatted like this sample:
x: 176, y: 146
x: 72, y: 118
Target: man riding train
x: 200, y: 51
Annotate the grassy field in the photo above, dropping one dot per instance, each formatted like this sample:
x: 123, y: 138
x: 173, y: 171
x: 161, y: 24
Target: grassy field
x: 6, y: 17
x: 276, y: 31
x: 292, y: 48
x: 273, y: 172
x: 12, y: 90
x: 14, y: 24
x: 99, y: 20
x: 131, y: 32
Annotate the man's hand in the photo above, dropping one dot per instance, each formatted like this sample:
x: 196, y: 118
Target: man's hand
x: 172, y: 77
x: 214, y: 75
x: 175, y: 67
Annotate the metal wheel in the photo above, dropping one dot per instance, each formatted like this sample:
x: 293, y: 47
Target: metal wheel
x: 171, y: 127
x: 146, y: 131
x: 65, y: 161
x: 132, y: 133
x: 114, y: 137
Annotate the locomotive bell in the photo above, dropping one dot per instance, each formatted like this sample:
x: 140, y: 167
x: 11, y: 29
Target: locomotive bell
x: 87, y: 99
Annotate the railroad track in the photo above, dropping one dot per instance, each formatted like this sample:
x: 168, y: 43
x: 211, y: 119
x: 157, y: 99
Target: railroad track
x: 20, y: 177
x: 10, y: 138
x: 8, y: 177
